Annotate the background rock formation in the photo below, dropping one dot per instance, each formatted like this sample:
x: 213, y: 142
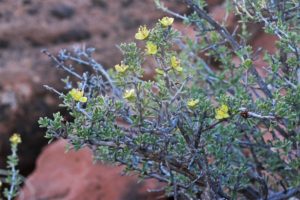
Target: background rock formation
x: 77, y: 177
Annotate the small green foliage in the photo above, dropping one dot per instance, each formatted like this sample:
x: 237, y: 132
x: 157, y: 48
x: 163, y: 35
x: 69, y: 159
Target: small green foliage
x: 13, y: 179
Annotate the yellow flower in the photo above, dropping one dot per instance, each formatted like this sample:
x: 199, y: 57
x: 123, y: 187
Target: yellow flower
x: 77, y: 95
x: 166, y: 21
x: 175, y: 63
x: 142, y: 33
x: 15, y: 138
x: 222, y: 112
x: 159, y: 71
x: 151, y: 48
x: 192, y: 103
x: 129, y: 94
x: 121, y: 68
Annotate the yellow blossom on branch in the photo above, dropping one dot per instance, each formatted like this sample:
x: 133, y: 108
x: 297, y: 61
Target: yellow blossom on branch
x: 15, y: 139
x: 151, y: 48
x: 175, y: 63
x: 142, y: 33
x: 129, y: 94
x: 166, y: 21
x: 222, y: 112
x: 77, y: 95
x: 192, y: 103
x: 121, y: 68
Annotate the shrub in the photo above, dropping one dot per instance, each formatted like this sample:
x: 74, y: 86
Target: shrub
x: 197, y: 126
x: 11, y: 176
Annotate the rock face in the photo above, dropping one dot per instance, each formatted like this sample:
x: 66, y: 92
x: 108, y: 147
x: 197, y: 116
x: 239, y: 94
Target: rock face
x: 73, y: 176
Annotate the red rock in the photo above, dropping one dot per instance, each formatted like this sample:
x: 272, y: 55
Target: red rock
x: 185, y: 30
x: 73, y: 176
x: 267, y: 43
x: 212, y: 3
x: 219, y: 14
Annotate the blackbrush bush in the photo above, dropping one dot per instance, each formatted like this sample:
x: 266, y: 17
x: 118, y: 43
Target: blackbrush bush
x: 198, y: 129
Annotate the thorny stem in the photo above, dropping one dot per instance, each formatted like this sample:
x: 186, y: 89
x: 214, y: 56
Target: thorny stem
x: 61, y: 64
x: 139, y: 103
x: 165, y: 9
x: 13, y: 183
x: 223, y: 31
x: 92, y: 63
x: 179, y: 90
x: 233, y: 43
x: 255, y: 115
x: 54, y: 90
x: 285, y: 194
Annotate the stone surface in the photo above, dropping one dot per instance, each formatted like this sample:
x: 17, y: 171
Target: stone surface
x: 228, y: 19
x: 73, y: 176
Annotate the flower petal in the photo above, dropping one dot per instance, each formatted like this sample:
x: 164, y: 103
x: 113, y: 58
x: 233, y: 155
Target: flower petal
x: 83, y: 99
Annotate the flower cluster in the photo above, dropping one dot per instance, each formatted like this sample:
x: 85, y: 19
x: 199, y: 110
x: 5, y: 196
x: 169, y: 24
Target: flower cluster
x: 166, y: 21
x: 151, y: 48
x: 129, y: 94
x: 192, y: 103
x: 15, y: 139
x: 121, y: 68
x: 77, y: 95
x: 143, y: 33
x: 175, y: 63
x: 222, y: 112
